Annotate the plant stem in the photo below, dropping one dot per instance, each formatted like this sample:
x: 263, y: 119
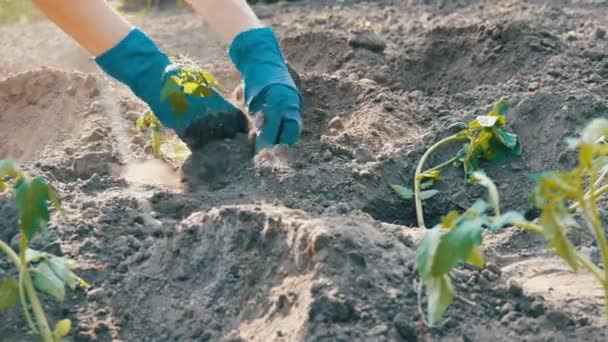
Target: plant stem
x: 582, y: 259
x: 15, y: 259
x: 10, y: 254
x: 600, y: 191
x: 591, y: 217
x: 417, y: 180
x: 43, y: 325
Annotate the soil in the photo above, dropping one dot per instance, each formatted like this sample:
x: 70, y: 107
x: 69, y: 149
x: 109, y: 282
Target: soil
x: 310, y: 243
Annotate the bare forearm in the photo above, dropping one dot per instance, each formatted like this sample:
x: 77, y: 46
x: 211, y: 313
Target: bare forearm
x: 94, y: 24
x: 226, y: 17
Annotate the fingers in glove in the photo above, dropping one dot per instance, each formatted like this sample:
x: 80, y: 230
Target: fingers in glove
x: 268, y: 133
x: 290, y: 132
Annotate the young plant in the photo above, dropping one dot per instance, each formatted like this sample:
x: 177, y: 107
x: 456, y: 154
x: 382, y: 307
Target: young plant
x: 561, y: 196
x: 183, y: 78
x: 179, y: 151
x: 151, y: 122
x: 457, y: 239
x: 37, y: 270
x: 484, y: 138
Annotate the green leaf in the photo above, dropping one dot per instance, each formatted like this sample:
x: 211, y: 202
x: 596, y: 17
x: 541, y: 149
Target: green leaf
x: 427, y: 184
x: 441, y: 294
x: 552, y: 220
x: 171, y: 86
x: 434, y: 175
x: 9, y: 169
x: 32, y: 255
x: 60, y: 267
x: 487, y: 120
x: 425, y: 253
x: 455, y: 246
x: 595, y: 130
x: 62, y: 328
x: 9, y: 294
x: 476, y: 257
x: 179, y: 103
x: 507, y: 219
x: 424, y: 195
x: 403, y: 192
x: 509, y: 140
x: 477, y: 209
x: 191, y: 87
x: 32, y: 203
x: 46, y: 281
x: 449, y: 220
x: 501, y: 107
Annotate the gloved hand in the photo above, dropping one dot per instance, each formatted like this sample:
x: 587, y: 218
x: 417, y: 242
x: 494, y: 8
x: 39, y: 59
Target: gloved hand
x: 137, y: 62
x: 269, y: 88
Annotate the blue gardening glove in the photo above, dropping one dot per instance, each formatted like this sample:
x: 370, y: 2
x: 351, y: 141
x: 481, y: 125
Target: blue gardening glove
x: 137, y: 62
x: 269, y: 88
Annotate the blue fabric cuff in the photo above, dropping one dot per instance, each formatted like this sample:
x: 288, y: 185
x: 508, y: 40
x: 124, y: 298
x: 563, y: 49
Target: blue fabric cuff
x: 257, y: 55
x: 137, y: 62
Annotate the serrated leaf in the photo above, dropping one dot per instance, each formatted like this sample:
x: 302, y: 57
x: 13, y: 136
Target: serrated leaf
x: 403, y: 192
x: 440, y: 294
x: 46, y: 281
x: 424, y: 195
x: 476, y: 257
x: 60, y: 267
x: 9, y: 293
x: 62, y: 328
x: 32, y: 255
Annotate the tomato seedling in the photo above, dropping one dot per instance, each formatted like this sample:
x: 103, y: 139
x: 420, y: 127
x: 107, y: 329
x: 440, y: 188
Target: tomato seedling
x: 484, y: 138
x: 181, y: 79
x: 37, y: 270
x: 561, y: 196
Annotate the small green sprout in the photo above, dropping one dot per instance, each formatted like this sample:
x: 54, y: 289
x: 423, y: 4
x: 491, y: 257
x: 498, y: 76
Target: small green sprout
x: 150, y: 121
x: 37, y: 271
x: 184, y: 77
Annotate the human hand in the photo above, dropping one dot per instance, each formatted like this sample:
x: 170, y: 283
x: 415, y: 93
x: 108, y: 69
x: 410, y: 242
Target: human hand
x: 269, y: 90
